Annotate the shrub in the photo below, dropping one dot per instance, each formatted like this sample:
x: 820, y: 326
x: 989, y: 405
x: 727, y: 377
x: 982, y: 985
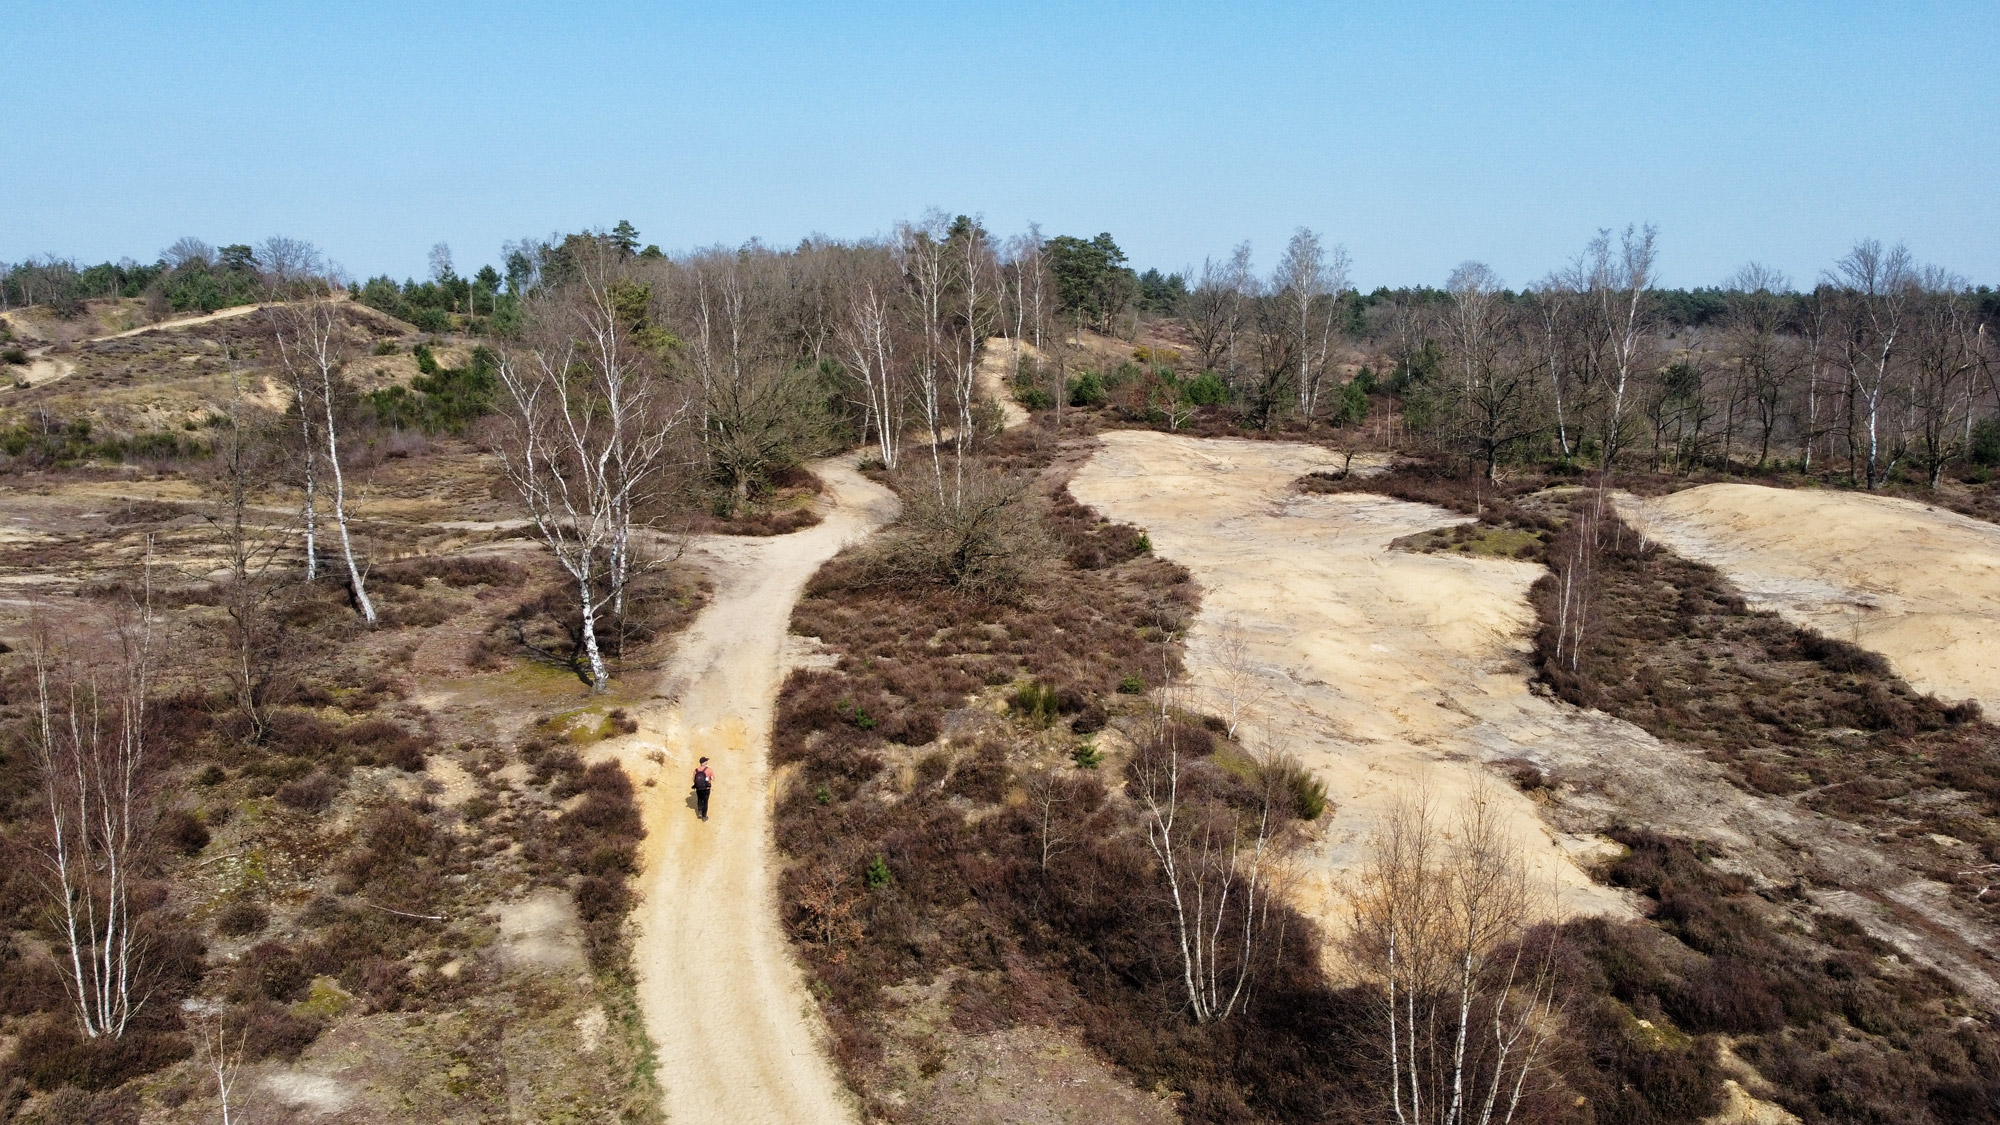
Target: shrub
x: 15, y: 356
x: 878, y: 875
x: 184, y: 832
x: 271, y: 1031
x: 241, y: 919
x: 1206, y: 390
x: 1295, y: 788
x: 311, y: 793
x: 1088, y: 389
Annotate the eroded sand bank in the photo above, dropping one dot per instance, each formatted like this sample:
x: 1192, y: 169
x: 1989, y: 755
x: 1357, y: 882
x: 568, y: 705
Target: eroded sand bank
x: 1386, y: 671
x: 1919, y: 585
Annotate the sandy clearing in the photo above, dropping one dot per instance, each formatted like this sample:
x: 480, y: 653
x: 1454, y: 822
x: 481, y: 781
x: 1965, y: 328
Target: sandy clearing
x: 1919, y: 585
x: 737, y: 1034
x: 42, y: 369
x: 1386, y: 671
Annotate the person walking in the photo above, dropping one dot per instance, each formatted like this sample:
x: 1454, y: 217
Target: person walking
x: 704, y: 780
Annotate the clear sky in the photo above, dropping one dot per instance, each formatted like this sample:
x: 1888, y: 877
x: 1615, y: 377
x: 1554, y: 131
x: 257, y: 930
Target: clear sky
x: 1417, y: 134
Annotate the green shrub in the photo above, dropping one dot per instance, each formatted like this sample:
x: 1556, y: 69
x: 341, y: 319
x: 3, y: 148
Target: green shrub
x: 431, y: 320
x: 1034, y: 701
x: 1087, y: 756
x: 386, y: 347
x: 1985, y: 450
x: 15, y: 356
x: 1293, y: 784
x: 878, y: 873
x: 1088, y: 390
x: 1132, y: 685
x: 1206, y: 390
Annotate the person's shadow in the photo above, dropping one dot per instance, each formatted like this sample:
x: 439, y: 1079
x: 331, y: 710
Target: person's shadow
x: 690, y: 803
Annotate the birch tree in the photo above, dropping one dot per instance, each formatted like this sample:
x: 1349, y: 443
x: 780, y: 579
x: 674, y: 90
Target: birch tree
x: 1213, y: 862
x: 923, y: 256
x: 1618, y: 278
x: 1309, y: 282
x: 586, y: 426
x: 91, y: 750
x: 1944, y: 358
x: 1465, y: 1001
x: 313, y: 348
x: 867, y: 342
x: 1875, y: 289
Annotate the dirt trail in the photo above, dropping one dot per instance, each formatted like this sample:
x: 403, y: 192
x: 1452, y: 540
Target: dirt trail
x: 736, y: 1030
x: 1919, y: 585
x: 996, y: 362
x: 1384, y: 670
x: 44, y: 369
x: 182, y: 322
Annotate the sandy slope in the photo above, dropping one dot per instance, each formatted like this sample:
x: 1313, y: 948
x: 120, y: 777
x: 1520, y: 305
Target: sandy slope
x: 723, y: 999
x: 1917, y: 584
x: 1386, y: 671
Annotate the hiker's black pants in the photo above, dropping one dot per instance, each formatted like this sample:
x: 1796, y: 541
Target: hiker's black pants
x: 701, y: 803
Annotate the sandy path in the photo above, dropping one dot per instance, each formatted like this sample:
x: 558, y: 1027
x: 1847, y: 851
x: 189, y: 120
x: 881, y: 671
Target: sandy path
x: 1919, y: 585
x: 183, y: 322
x: 1385, y: 670
x: 736, y: 1029
x: 996, y: 361
x: 44, y: 369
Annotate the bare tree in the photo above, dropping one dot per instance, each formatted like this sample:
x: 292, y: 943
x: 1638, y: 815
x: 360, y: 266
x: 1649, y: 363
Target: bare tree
x: 1051, y: 797
x: 759, y: 400
x: 1309, y: 282
x: 1465, y: 1001
x: 1212, y: 862
x: 1875, y: 288
x: 313, y: 347
x: 587, y: 426
x: 90, y: 744
x: 1944, y: 359
x: 925, y: 260
x: 1618, y: 280
x: 242, y: 464
x: 867, y: 342
x: 1494, y: 382
x: 1239, y: 687
x: 222, y: 1056
x: 1755, y: 345
x: 1217, y: 309
x: 974, y: 266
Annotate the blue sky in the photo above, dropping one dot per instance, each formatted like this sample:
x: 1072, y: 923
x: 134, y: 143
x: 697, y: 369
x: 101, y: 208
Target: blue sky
x: 1417, y: 134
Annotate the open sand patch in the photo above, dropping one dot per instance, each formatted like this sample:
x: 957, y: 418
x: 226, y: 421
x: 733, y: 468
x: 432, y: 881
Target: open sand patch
x: 1387, y: 672
x: 1919, y: 585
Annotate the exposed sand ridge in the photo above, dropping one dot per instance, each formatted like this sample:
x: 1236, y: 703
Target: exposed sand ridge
x: 1919, y: 585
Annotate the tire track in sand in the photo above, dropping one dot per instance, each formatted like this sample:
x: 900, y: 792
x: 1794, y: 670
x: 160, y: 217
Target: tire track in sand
x: 737, y: 1035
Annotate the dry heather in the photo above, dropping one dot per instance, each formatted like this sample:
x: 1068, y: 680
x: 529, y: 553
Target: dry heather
x: 943, y: 912
x: 395, y: 884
